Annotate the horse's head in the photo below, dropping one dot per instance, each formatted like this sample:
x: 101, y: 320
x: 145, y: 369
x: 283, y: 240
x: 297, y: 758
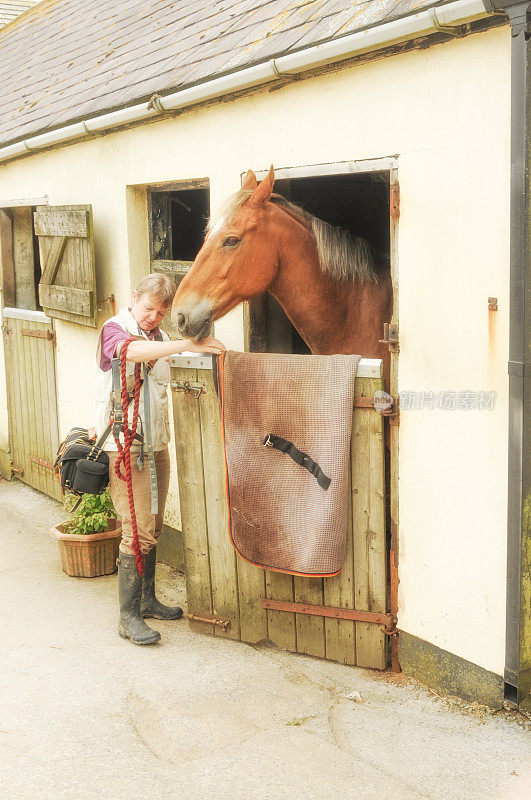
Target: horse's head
x: 238, y: 260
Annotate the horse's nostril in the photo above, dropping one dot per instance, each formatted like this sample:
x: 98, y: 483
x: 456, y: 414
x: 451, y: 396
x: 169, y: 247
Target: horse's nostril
x: 180, y: 319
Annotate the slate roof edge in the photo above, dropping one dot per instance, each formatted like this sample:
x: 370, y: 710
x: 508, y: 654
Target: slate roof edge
x: 446, y: 18
x: 15, y: 20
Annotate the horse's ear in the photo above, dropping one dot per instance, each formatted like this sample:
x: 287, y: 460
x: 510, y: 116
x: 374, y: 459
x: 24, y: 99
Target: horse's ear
x: 250, y: 181
x: 264, y: 189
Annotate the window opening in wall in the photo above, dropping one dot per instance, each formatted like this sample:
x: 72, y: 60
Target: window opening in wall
x: 356, y: 202
x: 177, y: 222
x: 178, y: 219
x: 21, y: 267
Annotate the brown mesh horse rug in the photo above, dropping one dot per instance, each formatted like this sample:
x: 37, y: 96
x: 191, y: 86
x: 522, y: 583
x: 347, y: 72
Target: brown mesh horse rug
x: 287, y: 422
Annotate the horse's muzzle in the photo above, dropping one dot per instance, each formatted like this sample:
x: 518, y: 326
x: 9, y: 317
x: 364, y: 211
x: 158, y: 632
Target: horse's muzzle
x: 194, y: 321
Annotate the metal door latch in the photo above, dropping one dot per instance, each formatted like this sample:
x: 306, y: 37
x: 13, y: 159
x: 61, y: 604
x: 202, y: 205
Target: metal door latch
x: 42, y: 462
x: 390, y: 337
x: 37, y: 334
x: 185, y: 386
x: 387, y: 406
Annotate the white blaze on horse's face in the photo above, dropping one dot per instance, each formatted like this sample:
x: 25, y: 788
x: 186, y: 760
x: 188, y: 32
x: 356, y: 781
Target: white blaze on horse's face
x: 237, y: 261
x: 216, y: 229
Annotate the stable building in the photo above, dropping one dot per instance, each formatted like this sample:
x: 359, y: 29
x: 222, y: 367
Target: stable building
x: 405, y: 123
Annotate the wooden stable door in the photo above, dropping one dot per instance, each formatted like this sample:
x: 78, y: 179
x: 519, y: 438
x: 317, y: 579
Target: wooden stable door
x: 29, y: 340
x: 340, y: 618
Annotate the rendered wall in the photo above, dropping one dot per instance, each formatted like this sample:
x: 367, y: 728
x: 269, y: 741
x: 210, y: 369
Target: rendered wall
x: 444, y: 112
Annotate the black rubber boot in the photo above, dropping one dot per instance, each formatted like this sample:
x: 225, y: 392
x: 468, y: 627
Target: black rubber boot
x: 132, y: 626
x: 150, y: 606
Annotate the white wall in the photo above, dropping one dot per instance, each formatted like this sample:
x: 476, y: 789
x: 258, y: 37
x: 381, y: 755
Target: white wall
x: 445, y: 113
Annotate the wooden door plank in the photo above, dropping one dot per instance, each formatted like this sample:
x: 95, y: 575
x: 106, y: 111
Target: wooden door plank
x: 65, y: 298
x: 60, y: 221
x: 281, y: 625
x: 51, y: 438
x: 251, y: 590
x: 23, y: 257
x: 41, y: 350
x: 34, y: 397
x: 310, y: 629
x: 7, y: 267
x: 340, y: 635
x: 21, y: 410
x: 190, y: 474
x: 53, y: 258
x: 368, y: 509
x: 11, y: 390
x: 222, y: 555
x: 31, y: 383
x: 15, y: 406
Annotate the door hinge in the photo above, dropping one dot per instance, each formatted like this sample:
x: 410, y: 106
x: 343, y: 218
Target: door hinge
x: 394, y: 201
x: 6, y: 330
x: 390, y: 337
x: 210, y: 620
x: 42, y: 462
x: 16, y: 470
x: 387, y: 620
x: 48, y: 335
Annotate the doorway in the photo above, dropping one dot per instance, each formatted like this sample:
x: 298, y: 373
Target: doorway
x: 363, y: 198
x: 357, y: 202
x: 29, y: 356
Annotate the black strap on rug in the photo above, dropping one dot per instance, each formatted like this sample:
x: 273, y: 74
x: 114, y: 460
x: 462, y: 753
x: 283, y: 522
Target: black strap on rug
x: 303, y: 459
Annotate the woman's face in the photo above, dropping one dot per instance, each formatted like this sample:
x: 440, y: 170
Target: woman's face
x: 148, y: 310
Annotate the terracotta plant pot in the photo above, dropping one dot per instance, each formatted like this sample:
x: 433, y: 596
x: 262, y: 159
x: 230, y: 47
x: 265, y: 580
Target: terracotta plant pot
x: 89, y: 556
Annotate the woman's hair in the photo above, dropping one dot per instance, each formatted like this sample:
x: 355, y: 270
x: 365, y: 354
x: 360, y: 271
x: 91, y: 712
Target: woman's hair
x: 159, y: 285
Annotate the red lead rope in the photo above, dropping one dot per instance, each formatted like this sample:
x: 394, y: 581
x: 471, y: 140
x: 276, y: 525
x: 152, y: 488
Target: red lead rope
x: 124, y: 453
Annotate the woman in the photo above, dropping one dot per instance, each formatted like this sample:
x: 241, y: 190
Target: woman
x: 150, y: 302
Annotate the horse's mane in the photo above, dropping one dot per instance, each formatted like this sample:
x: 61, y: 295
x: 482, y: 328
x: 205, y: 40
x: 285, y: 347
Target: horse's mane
x: 341, y: 255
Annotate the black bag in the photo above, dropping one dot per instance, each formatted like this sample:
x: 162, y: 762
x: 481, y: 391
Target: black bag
x: 83, y: 466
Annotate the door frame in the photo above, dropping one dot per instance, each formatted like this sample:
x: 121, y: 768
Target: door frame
x: 253, y: 335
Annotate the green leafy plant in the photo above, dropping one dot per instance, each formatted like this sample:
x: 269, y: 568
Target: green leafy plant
x: 92, y: 515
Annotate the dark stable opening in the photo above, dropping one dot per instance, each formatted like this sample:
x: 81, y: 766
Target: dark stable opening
x: 358, y: 203
x: 177, y: 223
x: 190, y: 209
x: 26, y: 262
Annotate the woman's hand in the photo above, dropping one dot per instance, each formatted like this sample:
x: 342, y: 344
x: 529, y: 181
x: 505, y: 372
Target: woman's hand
x: 208, y: 345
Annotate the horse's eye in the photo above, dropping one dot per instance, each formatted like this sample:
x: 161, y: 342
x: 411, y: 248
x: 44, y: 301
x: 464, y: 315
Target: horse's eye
x: 231, y: 241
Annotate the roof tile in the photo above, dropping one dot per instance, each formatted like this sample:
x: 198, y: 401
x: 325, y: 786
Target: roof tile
x: 66, y: 60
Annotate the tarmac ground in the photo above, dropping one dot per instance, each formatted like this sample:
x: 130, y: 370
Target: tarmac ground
x: 86, y: 715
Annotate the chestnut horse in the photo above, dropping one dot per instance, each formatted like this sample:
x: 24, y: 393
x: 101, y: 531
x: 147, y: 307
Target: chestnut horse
x: 324, y: 279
